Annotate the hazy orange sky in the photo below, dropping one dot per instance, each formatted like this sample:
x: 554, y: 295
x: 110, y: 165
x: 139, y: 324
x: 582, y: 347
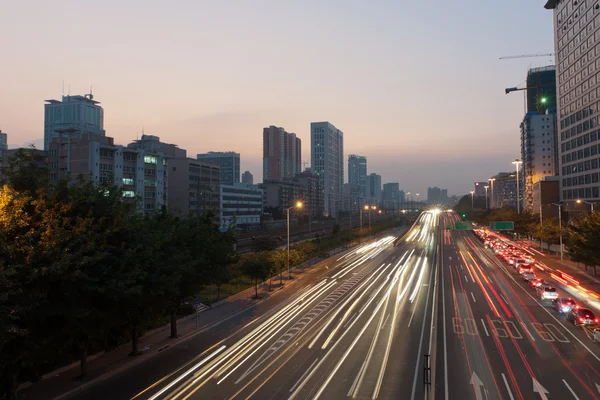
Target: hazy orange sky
x: 416, y: 87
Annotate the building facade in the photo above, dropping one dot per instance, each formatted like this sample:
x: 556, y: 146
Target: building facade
x: 3, y: 145
x: 545, y: 192
x: 313, y: 198
x: 194, y: 187
x: 241, y: 206
x: 576, y: 33
x: 357, y: 174
x: 391, y: 196
x: 538, y: 152
x: 282, y: 194
x: 247, y: 178
x: 435, y: 195
x: 282, y: 154
x: 327, y: 161
x: 228, y: 163
x: 505, y: 190
x: 479, y: 188
x: 74, y: 114
x: 141, y: 173
x: 541, y: 89
x: 374, y: 195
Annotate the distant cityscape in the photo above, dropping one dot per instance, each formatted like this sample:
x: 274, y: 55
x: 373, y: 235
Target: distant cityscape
x: 154, y: 173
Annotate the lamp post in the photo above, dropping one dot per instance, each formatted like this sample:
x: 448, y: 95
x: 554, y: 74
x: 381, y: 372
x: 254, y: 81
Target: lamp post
x: 486, y: 187
x: 492, y: 202
x: 591, y: 203
x: 370, y: 208
x: 417, y: 201
x: 366, y: 207
x: 517, y: 163
x: 472, y: 199
x: 298, y: 205
x: 560, y: 227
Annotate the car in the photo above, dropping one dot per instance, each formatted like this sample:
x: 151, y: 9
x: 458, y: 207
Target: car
x: 546, y: 292
x: 564, y: 305
x: 582, y: 316
x: 528, y: 276
x: 534, y: 283
x: 521, y: 269
x: 521, y: 262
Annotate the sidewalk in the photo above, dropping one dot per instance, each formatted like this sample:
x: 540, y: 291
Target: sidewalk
x: 63, y: 383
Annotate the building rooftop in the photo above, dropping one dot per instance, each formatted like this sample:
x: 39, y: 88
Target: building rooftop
x: 88, y: 98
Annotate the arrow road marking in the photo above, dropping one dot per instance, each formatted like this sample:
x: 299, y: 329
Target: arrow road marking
x: 538, y: 388
x: 571, y: 390
x: 477, y: 383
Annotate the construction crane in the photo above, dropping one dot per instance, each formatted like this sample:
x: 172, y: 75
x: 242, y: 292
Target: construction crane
x: 528, y: 56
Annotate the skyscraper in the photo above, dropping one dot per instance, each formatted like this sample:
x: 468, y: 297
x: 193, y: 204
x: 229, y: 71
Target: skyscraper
x: 3, y: 145
x: 327, y: 161
x: 73, y: 115
x: 391, y: 196
x: 577, y: 60
x: 374, y: 196
x: 541, y: 89
x: 357, y: 174
x: 247, y: 178
x: 228, y: 162
x: 282, y: 154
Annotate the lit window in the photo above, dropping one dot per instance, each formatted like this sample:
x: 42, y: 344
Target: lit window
x: 128, y: 193
x: 150, y: 159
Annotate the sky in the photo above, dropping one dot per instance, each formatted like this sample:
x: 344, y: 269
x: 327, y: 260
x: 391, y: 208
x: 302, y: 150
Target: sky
x: 417, y: 86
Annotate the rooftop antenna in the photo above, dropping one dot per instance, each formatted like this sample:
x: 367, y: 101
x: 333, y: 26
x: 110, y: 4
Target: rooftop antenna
x: 91, y: 95
x: 69, y: 90
x: 63, y: 88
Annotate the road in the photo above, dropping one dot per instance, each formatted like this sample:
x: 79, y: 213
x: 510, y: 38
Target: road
x: 368, y: 325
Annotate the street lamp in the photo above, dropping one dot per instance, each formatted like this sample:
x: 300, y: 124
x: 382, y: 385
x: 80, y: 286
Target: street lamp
x: 492, y: 192
x: 370, y: 208
x: 472, y: 199
x: 366, y: 207
x: 417, y: 201
x: 486, y: 187
x: 591, y: 203
x: 560, y: 227
x: 517, y: 163
x: 297, y: 205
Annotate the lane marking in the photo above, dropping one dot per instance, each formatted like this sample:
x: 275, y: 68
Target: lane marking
x: 384, y: 321
x: 570, y: 390
x: 349, y: 319
x: 503, y: 298
x: 446, y: 392
x: 473, y: 297
x: 527, y: 330
x: 466, y: 279
x: 507, y: 387
x: 484, y: 327
x: 304, y: 374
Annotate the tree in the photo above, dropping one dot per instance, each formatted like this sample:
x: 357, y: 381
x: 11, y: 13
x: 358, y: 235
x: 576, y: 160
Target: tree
x: 257, y: 267
x: 264, y: 243
x: 583, y: 240
x: 222, y: 256
x: 335, y: 229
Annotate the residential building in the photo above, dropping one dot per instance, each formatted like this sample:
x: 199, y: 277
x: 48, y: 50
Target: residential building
x: 438, y: 196
x: 247, y: 178
x: 479, y: 189
x: 576, y: 30
x: 391, y: 196
x: 194, y: 187
x: 313, y: 198
x: 241, y: 205
x: 505, y: 190
x: 36, y: 157
x: 74, y: 114
x: 143, y: 174
x: 357, y: 174
x: 152, y: 144
x: 374, y: 194
x: 541, y: 89
x: 282, y: 194
x: 538, y: 152
x: 327, y: 161
x: 228, y: 162
x: 282, y: 154
x: 3, y: 144
x: 545, y: 192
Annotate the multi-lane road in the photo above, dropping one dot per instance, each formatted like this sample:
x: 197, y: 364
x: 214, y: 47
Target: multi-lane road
x: 435, y: 317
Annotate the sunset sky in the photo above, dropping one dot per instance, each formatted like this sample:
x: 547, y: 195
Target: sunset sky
x: 416, y: 86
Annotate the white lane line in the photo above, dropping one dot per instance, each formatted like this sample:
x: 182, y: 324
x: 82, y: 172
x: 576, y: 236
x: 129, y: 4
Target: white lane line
x: 384, y: 321
x: 473, y: 297
x: 527, y: 330
x: 484, y: 327
x: 304, y: 375
x: 461, y: 267
x: 503, y: 298
x: 446, y: 394
x: 570, y: 390
x: 466, y: 279
x: 507, y: 387
x: 349, y: 319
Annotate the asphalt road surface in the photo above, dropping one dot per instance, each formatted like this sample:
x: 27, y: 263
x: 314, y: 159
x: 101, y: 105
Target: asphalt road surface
x: 435, y: 317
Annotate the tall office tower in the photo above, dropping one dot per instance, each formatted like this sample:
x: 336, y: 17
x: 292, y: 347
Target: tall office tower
x: 391, y: 196
x: 357, y: 174
x: 282, y: 154
x: 541, y: 89
x: 247, y: 178
x: 374, y: 196
x: 73, y: 115
x: 327, y: 161
x: 577, y: 64
x: 228, y: 162
x: 3, y: 145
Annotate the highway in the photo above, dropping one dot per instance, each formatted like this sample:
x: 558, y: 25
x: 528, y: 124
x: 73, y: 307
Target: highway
x: 368, y: 326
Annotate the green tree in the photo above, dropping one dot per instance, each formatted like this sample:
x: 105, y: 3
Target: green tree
x: 264, y: 243
x: 258, y: 268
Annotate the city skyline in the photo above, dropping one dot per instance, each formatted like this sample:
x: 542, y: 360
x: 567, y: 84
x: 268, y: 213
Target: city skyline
x: 218, y: 98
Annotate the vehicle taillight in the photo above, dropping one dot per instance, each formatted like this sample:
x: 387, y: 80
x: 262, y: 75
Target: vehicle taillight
x: 596, y: 320
x: 580, y: 319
